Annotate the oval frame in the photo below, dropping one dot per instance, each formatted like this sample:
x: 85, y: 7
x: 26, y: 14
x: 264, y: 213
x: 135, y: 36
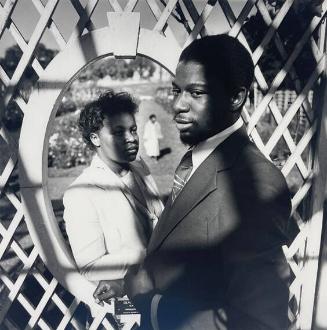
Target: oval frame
x: 33, y: 147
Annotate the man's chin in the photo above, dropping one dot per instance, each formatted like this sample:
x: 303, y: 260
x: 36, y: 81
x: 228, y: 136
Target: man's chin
x: 188, y: 139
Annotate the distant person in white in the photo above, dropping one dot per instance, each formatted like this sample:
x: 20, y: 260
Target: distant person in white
x: 112, y: 207
x: 152, y: 135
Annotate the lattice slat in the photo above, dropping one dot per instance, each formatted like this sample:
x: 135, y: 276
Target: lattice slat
x: 237, y: 24
x: 53, y: 27
x: 6, y: 173
x: 296, y: 154
x: 84, y: 17
x: 282, y: 73
x: 207, y: 10
x: 5, y: 13
x: 273, y: 26
x: 34, y: 40
x: 44, y: 300
x: 191, y: 9
x: 16, y: 287
x: 24, y: 46
x: 291, y: 112
x: 264, y: 86
x: 162, y: 21
x: 280, y: 47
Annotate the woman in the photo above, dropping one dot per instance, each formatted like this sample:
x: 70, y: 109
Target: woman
x: 112, y: 207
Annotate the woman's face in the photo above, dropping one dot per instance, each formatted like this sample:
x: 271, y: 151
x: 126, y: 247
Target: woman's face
x: 117, y: 141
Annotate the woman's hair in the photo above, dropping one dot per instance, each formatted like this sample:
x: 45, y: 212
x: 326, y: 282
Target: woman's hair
x: 107, y: 105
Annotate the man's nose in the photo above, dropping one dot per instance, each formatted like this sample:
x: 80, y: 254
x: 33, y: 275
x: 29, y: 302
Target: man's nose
x: 180, y: 103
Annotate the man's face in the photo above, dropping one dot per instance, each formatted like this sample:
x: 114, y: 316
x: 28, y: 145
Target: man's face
x: 118, y: 139
x: 199, y: 105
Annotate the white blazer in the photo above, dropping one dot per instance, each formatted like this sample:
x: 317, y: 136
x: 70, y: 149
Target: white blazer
x: 106, y: 227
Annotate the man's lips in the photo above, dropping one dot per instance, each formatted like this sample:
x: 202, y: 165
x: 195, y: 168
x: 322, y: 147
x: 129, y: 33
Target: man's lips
x: 183, y: 124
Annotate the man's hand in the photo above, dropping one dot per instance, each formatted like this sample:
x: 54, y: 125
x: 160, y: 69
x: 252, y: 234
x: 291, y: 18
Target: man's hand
x: 138, y: 282
x: 107, y: 290
x: 139, y: 289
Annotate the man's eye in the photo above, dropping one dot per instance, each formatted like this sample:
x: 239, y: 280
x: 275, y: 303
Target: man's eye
x: 119, y: 133
x: 134, y: 130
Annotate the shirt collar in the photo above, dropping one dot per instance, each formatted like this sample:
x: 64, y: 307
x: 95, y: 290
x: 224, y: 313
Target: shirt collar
x: 99, y: 163
x: 202, y: 150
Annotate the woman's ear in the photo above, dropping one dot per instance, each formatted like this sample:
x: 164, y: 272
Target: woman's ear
x: 238, y: 99
x: 94, y: 137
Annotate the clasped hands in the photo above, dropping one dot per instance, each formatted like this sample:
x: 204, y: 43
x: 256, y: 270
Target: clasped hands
x: 137, y: 282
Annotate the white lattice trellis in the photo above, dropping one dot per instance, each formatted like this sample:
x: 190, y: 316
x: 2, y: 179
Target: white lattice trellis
x: 306, y: 151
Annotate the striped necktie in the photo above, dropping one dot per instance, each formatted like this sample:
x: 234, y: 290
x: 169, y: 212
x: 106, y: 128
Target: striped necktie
x: 182, y: 173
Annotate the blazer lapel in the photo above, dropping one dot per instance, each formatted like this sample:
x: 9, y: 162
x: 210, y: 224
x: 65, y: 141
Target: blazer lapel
x: 146, y: 178
x: 104, y: 178
x: 202, y: 182
x: 149, y: 184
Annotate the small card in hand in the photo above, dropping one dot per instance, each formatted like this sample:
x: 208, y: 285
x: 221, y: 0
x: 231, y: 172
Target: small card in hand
x: 124, y: 307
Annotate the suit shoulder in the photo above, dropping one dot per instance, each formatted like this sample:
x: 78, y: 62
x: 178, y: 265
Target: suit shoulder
x: 254, y: 168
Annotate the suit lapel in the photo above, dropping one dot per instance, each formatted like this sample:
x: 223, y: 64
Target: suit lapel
x: 145, y: 177
x: 202, y: 183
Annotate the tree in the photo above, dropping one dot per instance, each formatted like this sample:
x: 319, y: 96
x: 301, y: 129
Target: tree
x: 13, y: 54
x: 143, y: 66
x: 12, y: 116
x: 290, y: 30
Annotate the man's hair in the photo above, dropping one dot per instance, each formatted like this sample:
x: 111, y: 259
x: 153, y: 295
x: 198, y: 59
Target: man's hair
x: 152, y: 116
x: 107, y: 105
x: 224, y: 58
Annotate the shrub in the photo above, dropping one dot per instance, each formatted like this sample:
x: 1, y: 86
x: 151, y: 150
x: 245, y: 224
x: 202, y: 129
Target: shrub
x: 164, y: 97
x: 66, y: 146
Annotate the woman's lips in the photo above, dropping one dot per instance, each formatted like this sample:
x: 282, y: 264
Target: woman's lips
x: 132, y: 150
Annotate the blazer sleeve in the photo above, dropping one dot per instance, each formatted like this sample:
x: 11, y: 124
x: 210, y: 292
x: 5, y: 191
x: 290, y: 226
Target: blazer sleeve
x: 87, y: 241
x: 254, y: 226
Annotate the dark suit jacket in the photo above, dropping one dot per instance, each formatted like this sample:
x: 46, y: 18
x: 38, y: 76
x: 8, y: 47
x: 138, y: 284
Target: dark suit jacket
x: 215, y: 255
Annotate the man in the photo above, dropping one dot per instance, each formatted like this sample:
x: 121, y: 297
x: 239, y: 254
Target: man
x: 152, y: 135
x: 215, y: 258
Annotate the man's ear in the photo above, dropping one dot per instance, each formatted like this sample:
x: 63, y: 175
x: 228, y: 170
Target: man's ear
x: 238, y: 99
x: 94, y: 137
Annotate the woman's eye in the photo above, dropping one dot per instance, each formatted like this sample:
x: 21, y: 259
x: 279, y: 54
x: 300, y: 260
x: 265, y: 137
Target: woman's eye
x: 197, y: 93
x: 175, y: 91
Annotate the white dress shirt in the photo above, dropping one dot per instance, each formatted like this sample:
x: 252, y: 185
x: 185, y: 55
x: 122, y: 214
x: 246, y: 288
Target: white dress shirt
x: 202, y: 150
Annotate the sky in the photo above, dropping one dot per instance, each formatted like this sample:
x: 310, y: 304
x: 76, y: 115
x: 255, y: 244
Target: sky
x: 26, y: 16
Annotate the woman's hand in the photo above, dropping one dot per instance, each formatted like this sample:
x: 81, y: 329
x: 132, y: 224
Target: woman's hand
x: 108, y: 289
